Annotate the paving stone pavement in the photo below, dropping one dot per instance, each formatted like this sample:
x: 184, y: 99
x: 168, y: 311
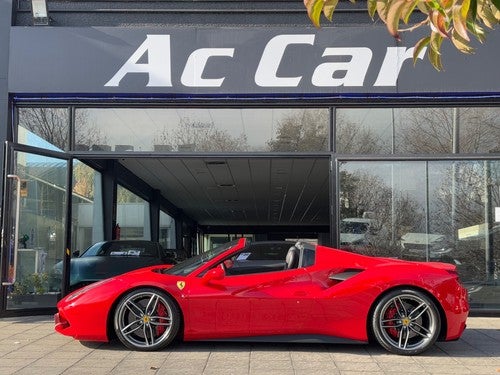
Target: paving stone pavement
x: 29, y: 345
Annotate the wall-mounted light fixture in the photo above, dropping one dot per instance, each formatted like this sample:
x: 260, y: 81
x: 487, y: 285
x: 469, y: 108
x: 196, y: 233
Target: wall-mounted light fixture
x: 40, y: 13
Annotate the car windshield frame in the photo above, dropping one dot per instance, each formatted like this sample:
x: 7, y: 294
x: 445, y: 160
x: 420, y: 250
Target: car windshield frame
x: 192, y: 264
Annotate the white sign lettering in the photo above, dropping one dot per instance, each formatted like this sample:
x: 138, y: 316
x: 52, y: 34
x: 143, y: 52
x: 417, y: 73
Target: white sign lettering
x: 267, y: 71
x: 157, y: 67
x: 349, y: 71
x: 355, y: 70
x: 193, y: 71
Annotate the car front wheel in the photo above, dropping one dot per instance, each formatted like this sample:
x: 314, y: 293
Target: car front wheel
x: 146, y: 319
x: 406, y: 322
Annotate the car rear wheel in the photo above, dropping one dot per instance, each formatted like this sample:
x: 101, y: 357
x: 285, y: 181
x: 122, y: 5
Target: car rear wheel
x: 146, y: 319
x: 406, y: 322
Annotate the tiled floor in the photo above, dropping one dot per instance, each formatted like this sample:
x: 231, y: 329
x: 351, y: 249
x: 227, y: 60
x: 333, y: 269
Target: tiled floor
x: 29, y: 345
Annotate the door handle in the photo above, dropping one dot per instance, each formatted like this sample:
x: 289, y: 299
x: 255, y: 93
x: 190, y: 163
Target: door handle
x: 16, y: 230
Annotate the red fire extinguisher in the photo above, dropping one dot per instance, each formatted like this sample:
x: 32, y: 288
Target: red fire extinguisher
x: 117, y: 231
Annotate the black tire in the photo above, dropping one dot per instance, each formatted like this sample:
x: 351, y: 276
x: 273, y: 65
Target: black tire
x: 146, y: 319
x: 406, y: 322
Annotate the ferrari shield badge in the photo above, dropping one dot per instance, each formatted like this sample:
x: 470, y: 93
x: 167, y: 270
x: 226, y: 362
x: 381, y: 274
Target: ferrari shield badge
x: 181, y: 284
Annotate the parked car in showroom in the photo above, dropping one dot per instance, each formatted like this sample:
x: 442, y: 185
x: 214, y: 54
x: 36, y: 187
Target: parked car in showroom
x: 109, y: 258
x: 273, y: 292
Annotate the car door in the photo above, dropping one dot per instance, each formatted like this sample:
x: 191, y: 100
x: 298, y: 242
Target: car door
x: 269, y: 303
x: 280, y: 302
x: 256, y: 296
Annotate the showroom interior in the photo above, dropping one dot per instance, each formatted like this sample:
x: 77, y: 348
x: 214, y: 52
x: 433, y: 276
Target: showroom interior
x: 191, y: 124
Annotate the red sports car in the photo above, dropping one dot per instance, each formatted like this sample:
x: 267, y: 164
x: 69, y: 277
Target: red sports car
x: 270, y: 291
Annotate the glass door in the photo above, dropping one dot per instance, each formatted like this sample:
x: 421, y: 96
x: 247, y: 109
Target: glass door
x: 34, y: 228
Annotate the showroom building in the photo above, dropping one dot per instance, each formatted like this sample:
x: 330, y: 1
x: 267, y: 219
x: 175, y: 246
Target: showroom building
x: 193, y: 123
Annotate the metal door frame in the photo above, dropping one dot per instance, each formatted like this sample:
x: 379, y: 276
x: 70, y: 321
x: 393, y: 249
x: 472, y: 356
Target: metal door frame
x: 8, y: 179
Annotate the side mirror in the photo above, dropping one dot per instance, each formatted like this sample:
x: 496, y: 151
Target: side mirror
x: 76, y: 253
x: 214, y: 274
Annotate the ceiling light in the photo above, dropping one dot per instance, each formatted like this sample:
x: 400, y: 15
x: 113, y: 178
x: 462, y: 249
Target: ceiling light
x: 40, y: 13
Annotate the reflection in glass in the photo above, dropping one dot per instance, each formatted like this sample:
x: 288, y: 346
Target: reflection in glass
x: 379, y: 203
x: 466, y: 204
x: 364, y: 131
x: 44, y: 128
x: 418, y: 130
x: 41, y: 230
x: 203, y: 130
x: 132, y: 215
x: 87, y: 221
x: 445, y: 211
x: 446, y: 130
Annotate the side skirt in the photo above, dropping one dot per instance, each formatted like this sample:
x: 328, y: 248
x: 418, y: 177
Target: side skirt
x: 309, y: 339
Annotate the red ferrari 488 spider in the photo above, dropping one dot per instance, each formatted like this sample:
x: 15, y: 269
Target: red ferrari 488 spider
x: 273, y: 291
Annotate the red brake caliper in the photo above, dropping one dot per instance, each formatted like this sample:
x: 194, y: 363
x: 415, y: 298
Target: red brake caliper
x: 161, y: 311
x: 390, y: 315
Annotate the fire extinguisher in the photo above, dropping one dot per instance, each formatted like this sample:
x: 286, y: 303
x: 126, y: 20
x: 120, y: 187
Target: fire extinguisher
x: 117, y: 231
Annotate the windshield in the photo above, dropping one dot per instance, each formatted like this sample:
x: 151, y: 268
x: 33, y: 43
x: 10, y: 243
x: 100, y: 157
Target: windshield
x: 189, y: 265
x: 92, y: 250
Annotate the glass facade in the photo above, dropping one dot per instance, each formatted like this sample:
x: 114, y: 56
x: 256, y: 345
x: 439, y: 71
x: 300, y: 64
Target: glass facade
x: 425, y: 131
x: 411, y: 183
x: 46, y: 128
x: 445, y: 211
x: 132, y: 216
x: 87, y: 209
x: 202, y: 130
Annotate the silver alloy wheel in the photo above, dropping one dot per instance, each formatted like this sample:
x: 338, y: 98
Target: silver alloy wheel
x: 406, y: 322
x: 146, y: 319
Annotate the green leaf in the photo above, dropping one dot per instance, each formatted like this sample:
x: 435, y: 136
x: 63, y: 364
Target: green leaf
x: 435, y: 42
x: 460, y: 22
x: 473, y: 9
x: 393, y: 16
x: 496, y: 3
x: 460, y: 43
x: 407, y: 10
x: 382, y: 7
x: 329, y: 8
x: 438, y: 21
x: 435, y: 59
x: 372, y: 7
x: 464, y: 9
x: 418, y: 48
x: 314, y: 8
x: 476, y: 30
x: 434, y: 5
x: 485, y: 13
x: 422, y: 6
